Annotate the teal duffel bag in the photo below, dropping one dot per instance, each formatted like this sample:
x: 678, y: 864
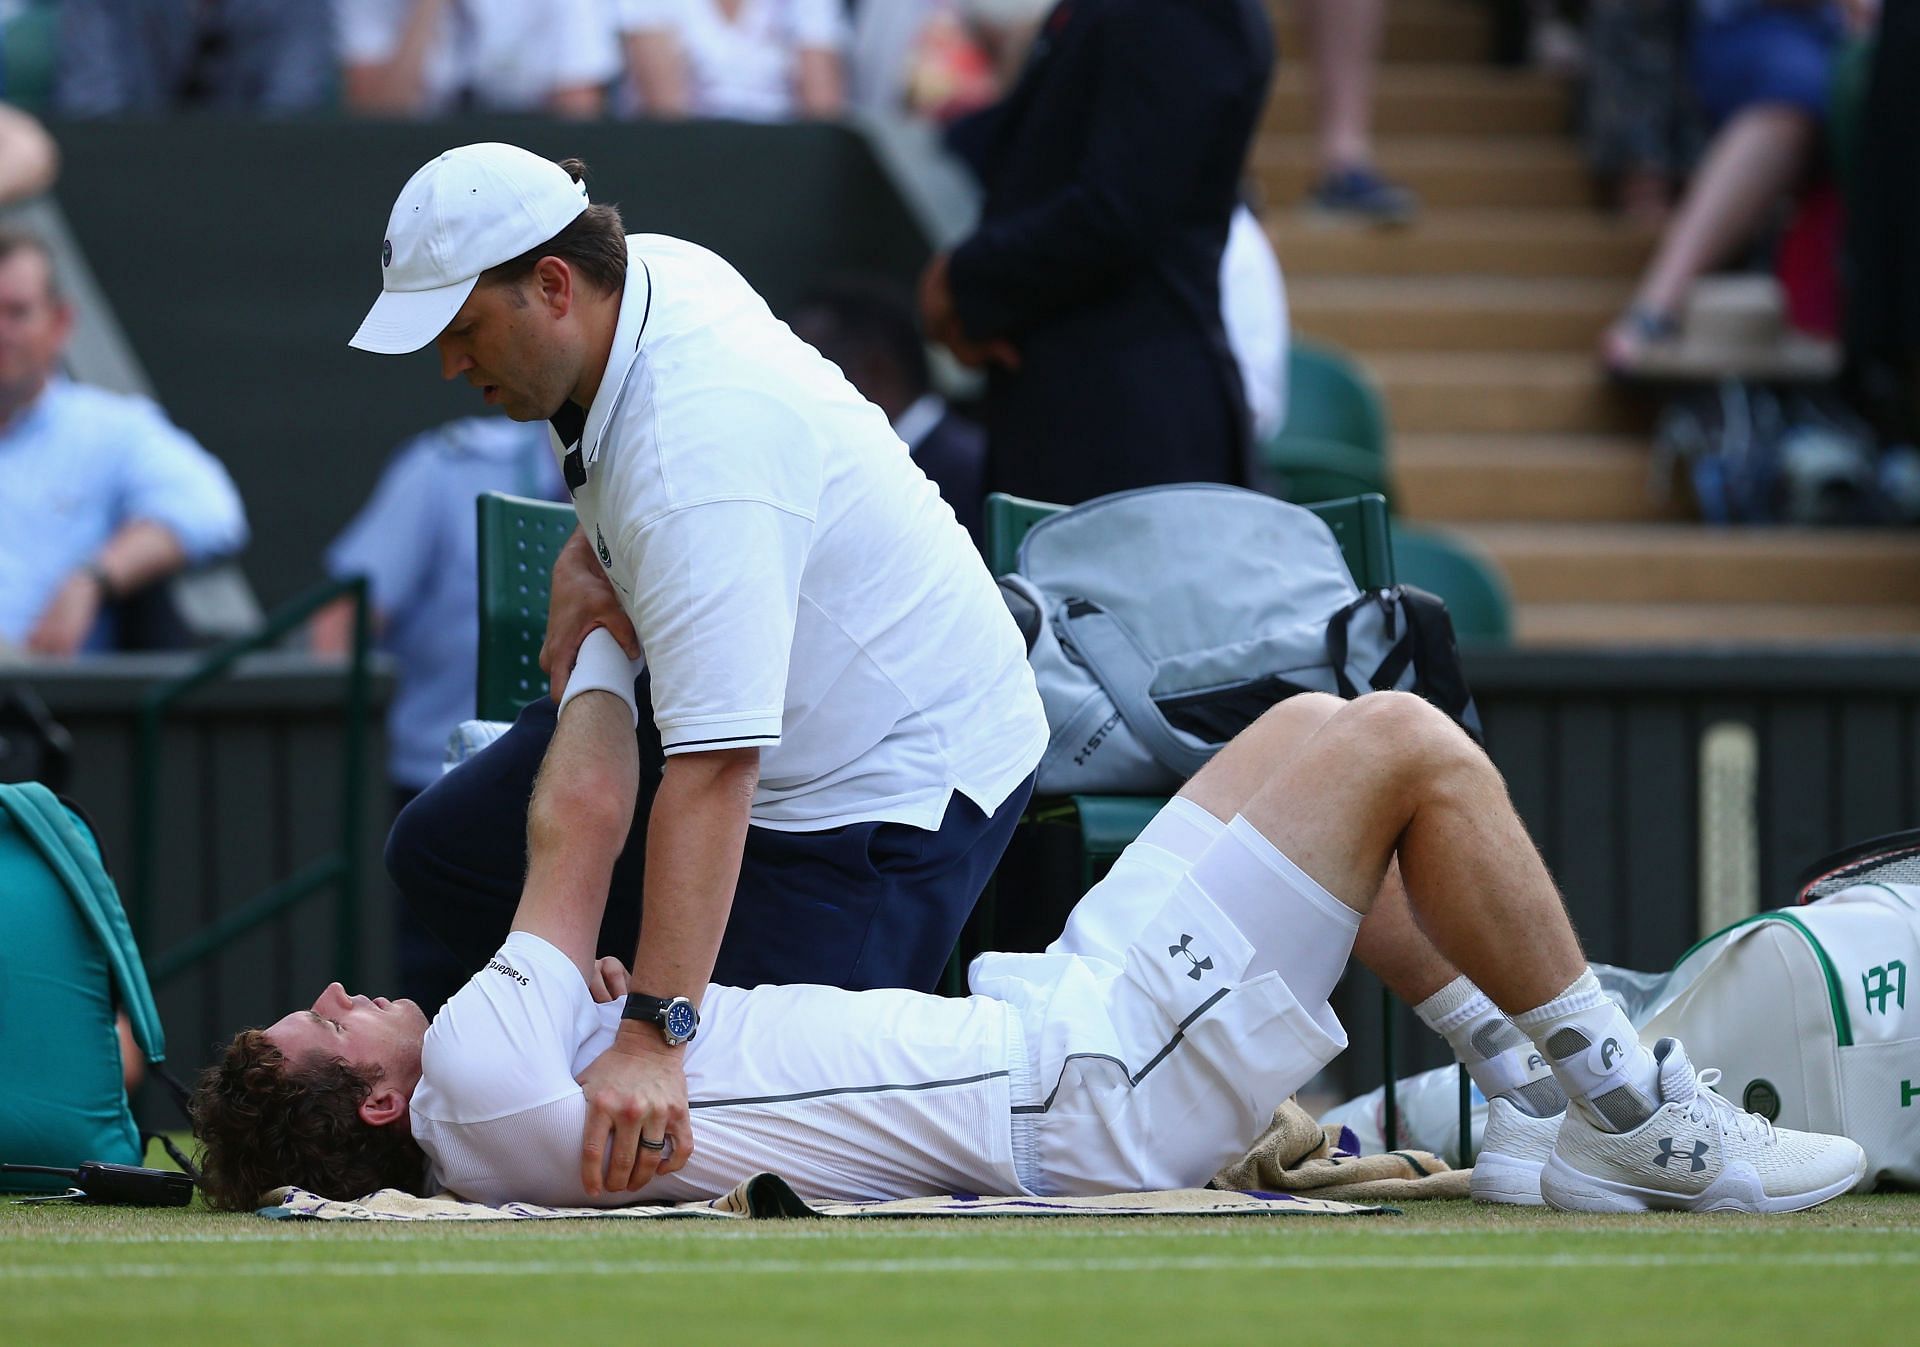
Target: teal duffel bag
x: 67, y: 964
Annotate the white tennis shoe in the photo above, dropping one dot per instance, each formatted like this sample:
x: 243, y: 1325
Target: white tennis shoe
x: 1698, y: 1152
x: 1513, y: 1150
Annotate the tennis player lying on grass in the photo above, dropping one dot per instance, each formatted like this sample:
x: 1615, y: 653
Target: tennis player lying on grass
x: 1145, y: 1049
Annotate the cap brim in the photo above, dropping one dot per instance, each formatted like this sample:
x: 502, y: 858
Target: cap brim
x: 405, y: 320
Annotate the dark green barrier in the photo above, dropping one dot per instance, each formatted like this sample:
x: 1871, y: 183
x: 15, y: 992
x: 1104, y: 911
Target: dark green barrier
x: 241, y: 256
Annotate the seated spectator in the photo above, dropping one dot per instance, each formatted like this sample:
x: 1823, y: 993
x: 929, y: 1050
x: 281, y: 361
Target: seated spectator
x: 100, y: 495
x: 1637, y: 110
x: 425, y: 58
x: 417, y: 543
x: 140, y: 57
x: 870, y: 334
x: 751, y: 60
x: 1760, y: 74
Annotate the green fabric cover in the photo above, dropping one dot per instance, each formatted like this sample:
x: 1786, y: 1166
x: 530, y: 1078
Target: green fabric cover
x: 67, y: 963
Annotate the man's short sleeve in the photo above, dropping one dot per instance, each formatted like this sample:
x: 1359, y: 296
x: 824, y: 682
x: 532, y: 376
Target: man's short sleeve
x: 714, y: 591
x: 820, y: 23
x: 505, y: 1042
x: 585, y: 48
x: 368, y: 30
x: 168, y: 478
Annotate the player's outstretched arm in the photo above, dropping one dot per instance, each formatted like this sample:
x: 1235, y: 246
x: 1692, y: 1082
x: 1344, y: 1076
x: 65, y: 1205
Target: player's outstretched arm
x: 577, y: 824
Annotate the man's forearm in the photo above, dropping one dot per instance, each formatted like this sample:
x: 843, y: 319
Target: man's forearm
x: 695, y: 835
x: 577, y: 825
x: 141, y: 553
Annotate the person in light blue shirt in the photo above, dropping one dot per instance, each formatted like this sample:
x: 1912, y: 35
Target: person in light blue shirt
x: 416, y: 541
x: 101, y: 495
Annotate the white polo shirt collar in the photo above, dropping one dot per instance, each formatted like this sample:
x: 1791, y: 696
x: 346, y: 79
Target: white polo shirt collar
x: 581, y: 440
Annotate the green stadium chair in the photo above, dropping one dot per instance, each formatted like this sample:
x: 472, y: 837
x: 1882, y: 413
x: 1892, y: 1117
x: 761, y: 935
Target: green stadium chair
x: 519, y: 540
x: 1304, y: 469
x: 1330, y: 397
x: 1475, y: 591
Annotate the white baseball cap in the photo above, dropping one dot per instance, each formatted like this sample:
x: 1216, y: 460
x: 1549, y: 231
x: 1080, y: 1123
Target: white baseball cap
x: 468, y: 210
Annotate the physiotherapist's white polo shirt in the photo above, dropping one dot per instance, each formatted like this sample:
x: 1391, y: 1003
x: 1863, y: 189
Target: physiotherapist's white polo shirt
x: 796, y: 582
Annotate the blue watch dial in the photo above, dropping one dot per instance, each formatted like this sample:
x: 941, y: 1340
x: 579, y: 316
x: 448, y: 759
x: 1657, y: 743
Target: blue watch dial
x: 681, y: 1020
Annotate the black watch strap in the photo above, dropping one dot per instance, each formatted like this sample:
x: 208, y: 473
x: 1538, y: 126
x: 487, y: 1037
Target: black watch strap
x: 675, y: 1017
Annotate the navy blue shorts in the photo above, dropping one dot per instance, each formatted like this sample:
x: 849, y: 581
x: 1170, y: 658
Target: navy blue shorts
x: 860, y: 906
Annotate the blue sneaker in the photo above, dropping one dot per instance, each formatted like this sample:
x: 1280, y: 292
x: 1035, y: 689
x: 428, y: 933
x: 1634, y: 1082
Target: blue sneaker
x: 1362, y: 194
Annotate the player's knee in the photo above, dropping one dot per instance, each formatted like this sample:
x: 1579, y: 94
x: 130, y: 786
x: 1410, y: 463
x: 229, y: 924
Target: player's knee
x: 1300, y: 714
x: 1414, y: 735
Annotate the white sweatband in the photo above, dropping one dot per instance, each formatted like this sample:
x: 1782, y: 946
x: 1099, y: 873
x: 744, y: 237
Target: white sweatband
x: 602, y: 666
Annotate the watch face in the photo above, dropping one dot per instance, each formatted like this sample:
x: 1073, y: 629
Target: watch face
x: 682, y: 1020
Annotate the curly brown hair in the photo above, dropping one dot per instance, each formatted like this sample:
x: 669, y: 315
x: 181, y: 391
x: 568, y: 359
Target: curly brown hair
x: 264, y: 1120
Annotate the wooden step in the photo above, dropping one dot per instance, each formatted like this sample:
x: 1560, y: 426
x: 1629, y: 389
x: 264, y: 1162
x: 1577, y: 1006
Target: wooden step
x: 1518, y: 172
x: 1456, y: 313
x: 1694, y: 564
x: 1706, y: 624
x: 1543, y: 243
x: 1448, y: 478
x: 1416, y: 31
x: 1435, y: 100
x: 1501, y: 393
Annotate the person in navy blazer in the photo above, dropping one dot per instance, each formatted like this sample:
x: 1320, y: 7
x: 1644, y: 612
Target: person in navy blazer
x: 1090, y: 289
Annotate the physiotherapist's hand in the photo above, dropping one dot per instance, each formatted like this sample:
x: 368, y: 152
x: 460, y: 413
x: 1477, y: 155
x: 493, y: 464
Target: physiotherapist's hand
x: 68, y: 616
x: 581, y: 599
x: 636, y: 1090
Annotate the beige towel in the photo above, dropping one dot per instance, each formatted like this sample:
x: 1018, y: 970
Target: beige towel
x: 1296, y: 1155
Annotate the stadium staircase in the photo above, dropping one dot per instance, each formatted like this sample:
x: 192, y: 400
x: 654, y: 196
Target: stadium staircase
x: 1480, y: 322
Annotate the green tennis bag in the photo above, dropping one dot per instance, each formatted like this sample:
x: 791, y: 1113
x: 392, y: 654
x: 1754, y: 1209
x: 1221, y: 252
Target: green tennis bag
x: 67, y: 965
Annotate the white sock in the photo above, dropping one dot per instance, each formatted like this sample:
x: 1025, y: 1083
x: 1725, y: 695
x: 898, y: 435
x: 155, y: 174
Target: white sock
x: 1496, y: 1054
x: 1596, y: 1055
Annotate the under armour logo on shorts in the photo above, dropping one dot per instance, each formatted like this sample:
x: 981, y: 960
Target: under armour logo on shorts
x: 1200, y: 965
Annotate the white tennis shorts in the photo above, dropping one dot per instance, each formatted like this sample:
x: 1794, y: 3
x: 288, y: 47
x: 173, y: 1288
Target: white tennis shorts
x: 1157, y: 1038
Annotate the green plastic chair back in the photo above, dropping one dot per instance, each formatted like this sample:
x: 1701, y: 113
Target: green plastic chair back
x: 1329, y: 397
x: 1305, y: 468
x: 1359, y: 523
x: 30, y: 41
x: 1476, y: 593
x: 519, y: 540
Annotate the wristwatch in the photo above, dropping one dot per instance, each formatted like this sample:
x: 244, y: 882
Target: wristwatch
x: 677, y: 1019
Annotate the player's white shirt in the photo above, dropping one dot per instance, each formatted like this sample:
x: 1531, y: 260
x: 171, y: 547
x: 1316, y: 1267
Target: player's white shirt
x: 508, y: 54
x: 743, y: 67
x: 847, y: 1095
x: 796, y: 582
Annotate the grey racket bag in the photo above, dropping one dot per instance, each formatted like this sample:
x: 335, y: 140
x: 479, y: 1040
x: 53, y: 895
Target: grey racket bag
x: 1162, y: 621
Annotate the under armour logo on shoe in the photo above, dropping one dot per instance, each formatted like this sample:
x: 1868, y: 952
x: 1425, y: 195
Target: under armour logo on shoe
x: 1200, y: 965
x: 1608, y: 1051
x: 1667, y: 1153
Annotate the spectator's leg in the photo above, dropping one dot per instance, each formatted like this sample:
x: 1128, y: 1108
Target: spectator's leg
x: 1756, y: 158
x: 1343, y: 37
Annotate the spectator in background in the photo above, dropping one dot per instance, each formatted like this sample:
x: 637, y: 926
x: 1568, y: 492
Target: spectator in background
x: 141, y: 57
x: 1092, y: 285
x: 869, y: 333
x: 751, y: 60
x: 417, y: 543
x: 100, y: 495
x: 1883, y: 225
x: 1638, y: 114
x: 1760, y: 72
x: 1343, y: 43
x: 426, y: 58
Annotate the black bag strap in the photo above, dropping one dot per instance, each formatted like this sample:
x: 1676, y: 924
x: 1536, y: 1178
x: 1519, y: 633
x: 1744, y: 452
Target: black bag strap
x: 1440, y: 676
